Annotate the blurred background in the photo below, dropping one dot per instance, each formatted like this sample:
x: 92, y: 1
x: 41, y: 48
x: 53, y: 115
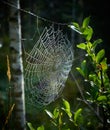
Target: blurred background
x: 50, y: 11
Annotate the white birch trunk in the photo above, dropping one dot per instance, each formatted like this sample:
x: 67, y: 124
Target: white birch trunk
x: 17, y: 81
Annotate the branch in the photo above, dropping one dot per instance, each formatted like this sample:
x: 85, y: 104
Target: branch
x: 83, y: 98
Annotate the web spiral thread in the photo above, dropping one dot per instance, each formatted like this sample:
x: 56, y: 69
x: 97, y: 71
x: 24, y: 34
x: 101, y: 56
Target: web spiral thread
x: 47, y: 67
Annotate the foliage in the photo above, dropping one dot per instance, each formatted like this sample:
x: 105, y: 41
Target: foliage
x: 60, y: 114
x: 32, y: 128
x: 96, y: 77
x: 94, y: 71
x: 58, y: 120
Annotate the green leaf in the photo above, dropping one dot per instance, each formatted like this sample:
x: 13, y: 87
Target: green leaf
x: 82, y: 46
x: 56, y: 113
x: 60, y: 119
x: 49, y: 114
x: 80, y: 71
x: 100, y: 55
x: 30, y: 126
x: 67, y: 108
x: 83, y: 65
x: 76, y: 25
x: 102, y: 98
x: 66, y: 104
x: 96, y: 42
x: 68, y: 112
x: 40, y: 127
x: 84, y: 68
x: 86, y: 22
x: 87, y: 33
x: 92, y: 77
x: 54, y: 122
x: 89, y: 45
x: 78, y: 116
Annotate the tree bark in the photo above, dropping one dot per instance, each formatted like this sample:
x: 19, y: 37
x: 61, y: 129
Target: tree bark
x: 16, y: 66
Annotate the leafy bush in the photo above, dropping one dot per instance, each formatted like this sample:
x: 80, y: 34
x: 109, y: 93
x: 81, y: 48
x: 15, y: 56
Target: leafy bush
x: 97, y: 99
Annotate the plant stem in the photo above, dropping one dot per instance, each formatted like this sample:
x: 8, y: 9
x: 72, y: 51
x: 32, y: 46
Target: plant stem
x: 103, y: 109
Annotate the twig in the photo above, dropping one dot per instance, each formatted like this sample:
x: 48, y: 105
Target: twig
x: 83, y: 98
x: 8, y: 116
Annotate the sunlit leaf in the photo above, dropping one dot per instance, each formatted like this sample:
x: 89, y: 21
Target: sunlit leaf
x: 60, y: 119
x: 89, y: 45
x: 80, y: 71
x: 66, y: 104
x: 96, y: 42
x: 40, y: 127
x: 68, y: 112
x: 30, y: 126
x: 66, y: 108
x: 102, y: 98
x: 78, y: 116
x: 87, y: 33
x: 92, y: 77
x: 83, y: 69
x: 56, y: 112
x: 100, y: 55
x: 82, y: 46
x: 76, y: 25
x: 83, y: 65
x: 49, y: 114
x: 86, y: 22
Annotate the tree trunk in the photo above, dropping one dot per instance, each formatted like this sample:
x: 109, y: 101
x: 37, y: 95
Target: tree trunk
x: 17, y: 81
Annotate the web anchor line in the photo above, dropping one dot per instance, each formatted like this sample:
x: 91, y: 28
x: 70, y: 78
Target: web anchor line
x: 34, y: 15
x: 42, y: 18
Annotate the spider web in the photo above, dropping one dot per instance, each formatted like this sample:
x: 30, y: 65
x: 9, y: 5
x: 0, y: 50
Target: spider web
x: 47, y: 67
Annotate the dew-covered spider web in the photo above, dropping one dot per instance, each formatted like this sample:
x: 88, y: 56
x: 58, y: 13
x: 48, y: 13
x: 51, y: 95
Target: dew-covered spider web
x: 47, y: 67
x: 47, y: 64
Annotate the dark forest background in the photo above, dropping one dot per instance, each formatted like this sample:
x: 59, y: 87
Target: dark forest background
x: 61, y: 11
